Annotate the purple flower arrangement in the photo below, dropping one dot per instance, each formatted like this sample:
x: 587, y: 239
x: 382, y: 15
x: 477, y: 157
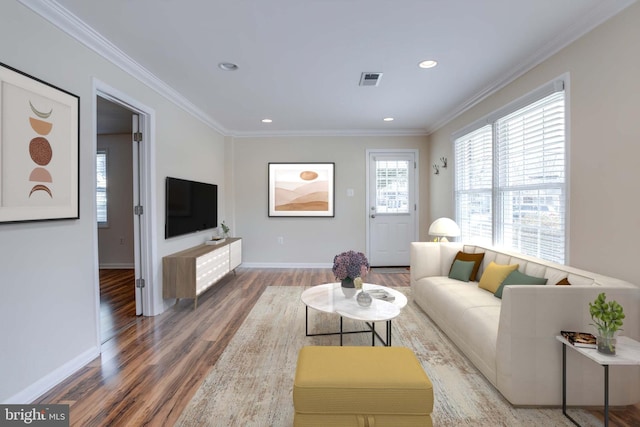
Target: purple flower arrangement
x: 350, y: 264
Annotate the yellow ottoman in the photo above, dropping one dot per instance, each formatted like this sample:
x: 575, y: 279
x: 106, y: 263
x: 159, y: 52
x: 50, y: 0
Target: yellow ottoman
x: 361, y: 386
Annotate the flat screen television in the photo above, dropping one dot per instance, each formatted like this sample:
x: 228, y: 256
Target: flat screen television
x: 190, y: 206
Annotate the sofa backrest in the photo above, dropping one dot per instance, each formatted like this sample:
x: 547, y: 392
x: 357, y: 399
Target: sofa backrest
x: 537, y: 267
x: 435, y: 259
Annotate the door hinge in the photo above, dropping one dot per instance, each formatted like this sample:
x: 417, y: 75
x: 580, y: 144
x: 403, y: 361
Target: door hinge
x: 139, y: 283
x: 137, y: 210
x: 137, y: 136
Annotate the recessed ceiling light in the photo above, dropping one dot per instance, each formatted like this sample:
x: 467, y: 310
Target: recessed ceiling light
x: 388, y: 119
x: 429, y: 63
x: 267, y: 121
x: 227, y: 66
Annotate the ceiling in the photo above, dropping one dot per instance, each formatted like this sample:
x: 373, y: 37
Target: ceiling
x: 300, y: 61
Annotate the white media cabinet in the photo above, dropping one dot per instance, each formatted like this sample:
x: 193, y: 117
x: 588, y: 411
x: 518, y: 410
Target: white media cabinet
x: 188, y: 273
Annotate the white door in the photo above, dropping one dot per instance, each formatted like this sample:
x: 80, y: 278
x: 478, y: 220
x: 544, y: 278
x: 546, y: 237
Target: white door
x: 392, y: 206
x: 138, y: 210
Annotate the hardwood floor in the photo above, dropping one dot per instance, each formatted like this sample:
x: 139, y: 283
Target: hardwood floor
x: 151, y: 368
x: 117, y: 301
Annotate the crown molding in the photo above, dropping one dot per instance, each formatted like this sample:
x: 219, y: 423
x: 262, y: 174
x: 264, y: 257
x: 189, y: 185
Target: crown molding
x: 328, y: 133
x: 597, y: 16
x: 66, y: 21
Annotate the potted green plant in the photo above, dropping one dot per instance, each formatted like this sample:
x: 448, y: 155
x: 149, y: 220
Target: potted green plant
x: 225, y: 229
x: 607, y: 318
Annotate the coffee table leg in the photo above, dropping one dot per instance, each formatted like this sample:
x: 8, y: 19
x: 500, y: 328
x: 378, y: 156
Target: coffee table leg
x: 340, y: 331
x: 306, y: 320
x: 373, y: 334
x: 388, y: 333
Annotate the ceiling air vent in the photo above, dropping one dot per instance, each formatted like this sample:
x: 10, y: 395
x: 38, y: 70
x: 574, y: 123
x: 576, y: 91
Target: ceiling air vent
x: 370, y: 79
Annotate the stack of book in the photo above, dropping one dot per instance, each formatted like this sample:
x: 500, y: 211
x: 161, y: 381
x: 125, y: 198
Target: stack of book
x: 580, y: 339
x: 381, y: 294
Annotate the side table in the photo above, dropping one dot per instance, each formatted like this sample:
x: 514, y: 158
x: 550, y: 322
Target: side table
x: 627, y: 353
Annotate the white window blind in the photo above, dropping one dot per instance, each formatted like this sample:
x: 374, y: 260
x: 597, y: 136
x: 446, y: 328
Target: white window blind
x: 531, y: 178
x: 101, y: 187
x: 521, y: 205
x: 474, y: 185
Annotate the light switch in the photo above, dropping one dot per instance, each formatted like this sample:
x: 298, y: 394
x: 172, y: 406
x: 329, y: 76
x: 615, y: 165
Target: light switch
x: 349, y: 192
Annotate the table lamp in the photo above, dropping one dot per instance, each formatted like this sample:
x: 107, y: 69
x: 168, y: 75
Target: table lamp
x: 443, y: 227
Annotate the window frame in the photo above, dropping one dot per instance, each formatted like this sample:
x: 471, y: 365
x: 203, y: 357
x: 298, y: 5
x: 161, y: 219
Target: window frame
x: 498, y: 225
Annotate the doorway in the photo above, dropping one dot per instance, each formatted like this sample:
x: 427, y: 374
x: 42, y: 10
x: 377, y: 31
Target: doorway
x: 114, y: 196
x: 141, y: 204
x: 392, y: 206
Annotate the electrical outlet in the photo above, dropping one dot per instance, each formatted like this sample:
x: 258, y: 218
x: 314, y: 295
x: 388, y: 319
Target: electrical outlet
x: 122, y: 240
x: 281, y: 240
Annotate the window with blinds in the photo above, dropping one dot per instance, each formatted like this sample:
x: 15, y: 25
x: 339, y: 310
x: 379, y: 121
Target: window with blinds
x: 474, y: 185
x: 523, y: 207
x: 101, y: 187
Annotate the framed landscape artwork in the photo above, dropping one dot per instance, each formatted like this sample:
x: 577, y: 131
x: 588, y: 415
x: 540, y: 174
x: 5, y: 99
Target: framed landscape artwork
x: 39, y: 144
x: 301, y: 189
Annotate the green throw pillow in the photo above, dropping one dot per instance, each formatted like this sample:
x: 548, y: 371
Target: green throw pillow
x: 461, y: 270
x: 517, y: 278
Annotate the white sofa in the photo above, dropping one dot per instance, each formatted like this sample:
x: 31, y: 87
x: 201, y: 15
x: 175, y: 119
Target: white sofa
x: 512, y: 340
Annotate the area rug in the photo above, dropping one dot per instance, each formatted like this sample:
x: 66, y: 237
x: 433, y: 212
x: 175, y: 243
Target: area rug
x: 252, y: 382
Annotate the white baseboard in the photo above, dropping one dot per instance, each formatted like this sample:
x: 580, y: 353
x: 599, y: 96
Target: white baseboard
x: 117, y: 266
x: 285, y: 265
x: 46, y: 383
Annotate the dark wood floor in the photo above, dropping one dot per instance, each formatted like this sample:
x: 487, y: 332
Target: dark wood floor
x: 152, y: 366
x: 117, y: 301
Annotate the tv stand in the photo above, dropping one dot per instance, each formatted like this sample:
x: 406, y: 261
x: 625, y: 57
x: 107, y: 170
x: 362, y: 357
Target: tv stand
x: 189, y: 273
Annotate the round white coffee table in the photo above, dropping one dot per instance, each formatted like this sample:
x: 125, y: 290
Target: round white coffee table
x: 331, y: 298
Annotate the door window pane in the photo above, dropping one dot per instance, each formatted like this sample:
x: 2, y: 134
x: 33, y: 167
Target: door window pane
x: 392, y: 187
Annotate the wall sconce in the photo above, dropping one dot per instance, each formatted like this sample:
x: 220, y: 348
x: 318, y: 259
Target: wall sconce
x: 436, y: 169
x: 444, y: 162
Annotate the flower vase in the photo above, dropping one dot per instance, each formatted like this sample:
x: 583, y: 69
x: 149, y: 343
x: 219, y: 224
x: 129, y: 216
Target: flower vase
x: 348, y: 288
x: 347, y: 282
x: 606, y: 343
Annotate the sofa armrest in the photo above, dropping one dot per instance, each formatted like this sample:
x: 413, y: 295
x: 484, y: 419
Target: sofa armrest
x: 424, y: 260
x: 428, y: 259
x: 529, y: 358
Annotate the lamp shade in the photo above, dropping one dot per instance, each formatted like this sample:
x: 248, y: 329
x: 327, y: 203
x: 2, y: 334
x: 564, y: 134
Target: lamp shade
x: 442, y: 227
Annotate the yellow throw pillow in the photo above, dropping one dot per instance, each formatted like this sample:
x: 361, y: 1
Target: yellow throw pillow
x: 494, y: 275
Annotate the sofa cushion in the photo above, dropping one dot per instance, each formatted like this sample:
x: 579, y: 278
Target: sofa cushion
x: 448, y: 251
x: 467, y: 256
x: 563, y: 282
x: 578, y: 280
x: 494, y: 275
x: 517, y: 278
x: 461, y: 270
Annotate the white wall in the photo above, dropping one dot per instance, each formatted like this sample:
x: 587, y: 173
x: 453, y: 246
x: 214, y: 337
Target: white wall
x: 310, y: 241
x: 604, y: 144
x: 115, y: 242
x: 48, y: 269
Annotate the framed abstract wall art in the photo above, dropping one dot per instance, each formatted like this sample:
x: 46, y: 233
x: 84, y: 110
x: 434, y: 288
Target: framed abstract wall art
x: 39, y: 144
x: 301, y: 189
